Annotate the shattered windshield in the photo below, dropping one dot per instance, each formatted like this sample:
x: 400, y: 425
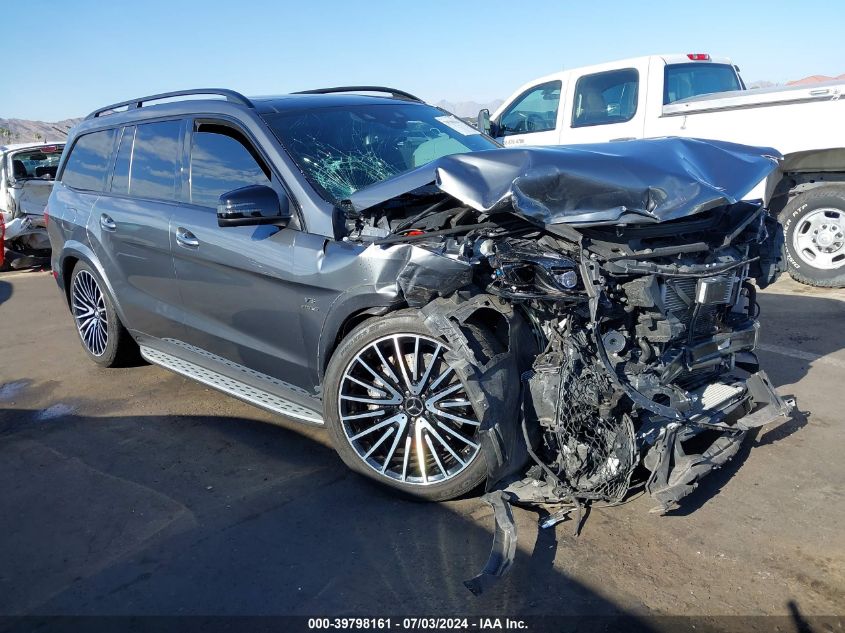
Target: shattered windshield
x: 39, y: 162
x: 344, y: 149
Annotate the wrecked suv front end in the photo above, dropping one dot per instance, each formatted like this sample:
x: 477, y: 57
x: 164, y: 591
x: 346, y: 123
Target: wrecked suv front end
x: 654, y: 366
x: 635, y: 267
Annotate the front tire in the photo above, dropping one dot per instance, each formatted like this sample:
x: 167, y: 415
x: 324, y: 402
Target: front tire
x: 399, y: 414
x: 103, y: 336
x: 814, y: 235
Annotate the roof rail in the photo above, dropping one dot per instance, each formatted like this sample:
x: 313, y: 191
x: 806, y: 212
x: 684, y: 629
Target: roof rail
x: 396, y: 94
x: 231, y: 95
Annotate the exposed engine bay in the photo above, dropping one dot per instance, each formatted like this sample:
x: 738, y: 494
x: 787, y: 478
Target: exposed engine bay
x: 630, y: 271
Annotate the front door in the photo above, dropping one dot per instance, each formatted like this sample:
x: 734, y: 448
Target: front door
x: 236, y: 282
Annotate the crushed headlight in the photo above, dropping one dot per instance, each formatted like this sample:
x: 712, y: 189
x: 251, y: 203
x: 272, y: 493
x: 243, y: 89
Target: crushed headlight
x: 568, y: 279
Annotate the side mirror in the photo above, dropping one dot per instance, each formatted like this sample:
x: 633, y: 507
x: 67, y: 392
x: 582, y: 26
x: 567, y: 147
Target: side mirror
x: 252, y: 205
x: 483, y: 121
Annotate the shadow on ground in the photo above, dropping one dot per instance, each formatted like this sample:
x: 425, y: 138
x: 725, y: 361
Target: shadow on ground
x: 212, y: 515
x: 791, y: 322
x: 205, y: 515
x: 808, y: 324
x: 5, y: 291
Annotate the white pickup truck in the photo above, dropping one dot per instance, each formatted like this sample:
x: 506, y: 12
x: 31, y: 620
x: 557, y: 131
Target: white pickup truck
x: 695, y: 95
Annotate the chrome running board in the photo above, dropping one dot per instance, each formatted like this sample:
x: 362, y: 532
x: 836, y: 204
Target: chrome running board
x: 248, y: 393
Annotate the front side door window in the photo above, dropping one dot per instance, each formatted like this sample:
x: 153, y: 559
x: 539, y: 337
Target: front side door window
x: 535, y: 110
x: 222, y: 160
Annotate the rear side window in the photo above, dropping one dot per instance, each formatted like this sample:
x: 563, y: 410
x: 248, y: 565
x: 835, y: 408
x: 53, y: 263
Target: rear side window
x: 222, y: 160
x: 155, y: 160
x: 89, y: 160
x: 120, y: 179
x: 608, y: 97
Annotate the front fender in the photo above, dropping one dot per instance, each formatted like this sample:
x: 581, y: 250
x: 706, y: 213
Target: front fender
x: 401, y: 275
x: 357, y: 301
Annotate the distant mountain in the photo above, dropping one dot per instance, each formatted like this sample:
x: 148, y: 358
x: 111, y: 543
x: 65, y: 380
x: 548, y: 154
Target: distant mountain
x: 805, y: 81
x: 23, y: 131
x: 814, y: 79
x: 468, y: 109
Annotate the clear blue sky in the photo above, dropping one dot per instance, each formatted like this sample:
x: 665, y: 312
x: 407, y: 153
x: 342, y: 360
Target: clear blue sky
x: 63, y: 58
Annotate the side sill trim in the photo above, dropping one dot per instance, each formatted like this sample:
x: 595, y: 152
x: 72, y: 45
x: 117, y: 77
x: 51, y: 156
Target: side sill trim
x: 247, y: 393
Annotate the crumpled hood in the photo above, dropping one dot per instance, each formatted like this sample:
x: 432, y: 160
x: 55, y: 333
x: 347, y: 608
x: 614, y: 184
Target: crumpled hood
x: 651, y: 180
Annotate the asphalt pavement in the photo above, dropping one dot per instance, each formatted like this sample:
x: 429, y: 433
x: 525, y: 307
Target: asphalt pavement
x: 134, y: 491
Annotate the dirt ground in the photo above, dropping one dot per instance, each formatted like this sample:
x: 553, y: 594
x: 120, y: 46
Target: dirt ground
x: 136, y: 491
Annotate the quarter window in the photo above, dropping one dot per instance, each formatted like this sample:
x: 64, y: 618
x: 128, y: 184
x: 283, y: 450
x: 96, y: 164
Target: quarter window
x: 155, y: 160
x: 608, y: 97
x: 88, y: 163
x: 221, y: 160
x: 535, y: 110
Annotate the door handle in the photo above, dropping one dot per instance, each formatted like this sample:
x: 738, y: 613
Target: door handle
x: 107, y: 223
x: 185, y: 238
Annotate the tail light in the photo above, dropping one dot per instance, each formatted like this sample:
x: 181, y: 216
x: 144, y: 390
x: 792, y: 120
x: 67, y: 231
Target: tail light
x: 699, y: 57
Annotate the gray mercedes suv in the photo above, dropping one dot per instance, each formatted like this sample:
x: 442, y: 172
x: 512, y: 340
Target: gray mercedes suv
x: 568, y: 322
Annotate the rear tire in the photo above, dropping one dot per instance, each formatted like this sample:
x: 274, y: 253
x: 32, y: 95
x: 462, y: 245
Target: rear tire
x: 814, y: 237
x: 103, y: 336
x: 422, y: 417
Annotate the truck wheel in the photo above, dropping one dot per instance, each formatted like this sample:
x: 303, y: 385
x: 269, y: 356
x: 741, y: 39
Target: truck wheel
x: 101, y: 333
x: 814, y: 232
x: 399, y: 413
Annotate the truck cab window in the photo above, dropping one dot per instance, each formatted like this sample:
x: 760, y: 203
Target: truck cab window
x: 608, y: 97
x: 683, y: 81
x: 535, y: 110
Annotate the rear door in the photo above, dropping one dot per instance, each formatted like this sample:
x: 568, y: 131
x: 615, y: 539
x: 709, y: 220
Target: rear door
x: 130, y: 223
x: 237, y: 282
